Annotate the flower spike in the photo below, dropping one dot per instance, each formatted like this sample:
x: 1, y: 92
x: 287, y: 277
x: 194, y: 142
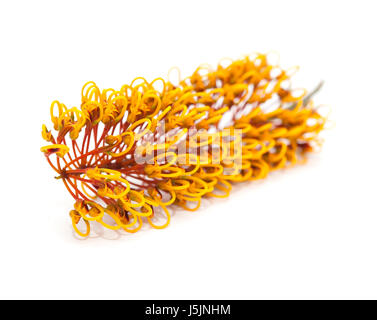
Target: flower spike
x: 129, y: 155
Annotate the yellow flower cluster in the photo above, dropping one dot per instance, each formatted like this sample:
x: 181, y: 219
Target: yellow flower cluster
x: 124, y: 155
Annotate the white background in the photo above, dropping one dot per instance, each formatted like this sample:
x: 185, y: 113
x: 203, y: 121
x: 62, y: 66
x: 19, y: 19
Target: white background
x: 306, y: 232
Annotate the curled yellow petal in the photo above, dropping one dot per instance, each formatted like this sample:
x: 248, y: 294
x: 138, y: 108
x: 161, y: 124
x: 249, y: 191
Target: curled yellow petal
x: 60, y: 149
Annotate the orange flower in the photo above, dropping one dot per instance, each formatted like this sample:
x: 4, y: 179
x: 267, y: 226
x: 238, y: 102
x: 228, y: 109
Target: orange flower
x: 128, y: 153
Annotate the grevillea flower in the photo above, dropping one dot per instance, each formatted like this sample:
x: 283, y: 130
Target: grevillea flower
x: 125, y: 154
